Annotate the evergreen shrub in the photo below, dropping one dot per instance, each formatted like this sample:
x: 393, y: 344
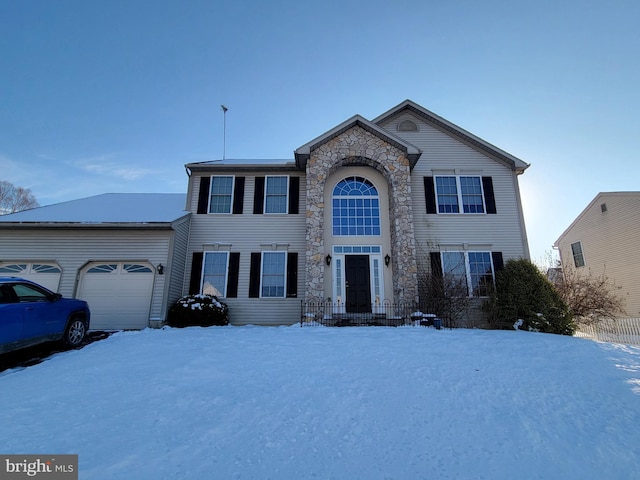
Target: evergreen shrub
x: 198, y: 310
x: 523, y: 298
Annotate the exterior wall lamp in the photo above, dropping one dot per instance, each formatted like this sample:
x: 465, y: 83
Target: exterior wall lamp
x: 387, y: 260
x: 160, y: 269
x: 328, y: 260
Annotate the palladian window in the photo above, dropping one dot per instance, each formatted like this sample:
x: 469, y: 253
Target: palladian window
x: 356, y: 208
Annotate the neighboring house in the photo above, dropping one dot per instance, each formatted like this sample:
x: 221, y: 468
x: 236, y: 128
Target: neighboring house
x: 601, y: 240
x: 122, y: 253
x: 354, y: 219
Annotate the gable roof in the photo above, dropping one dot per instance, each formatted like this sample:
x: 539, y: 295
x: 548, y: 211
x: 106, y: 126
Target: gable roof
x: 106, y: 209
x: 303, y: 153
x: 599, y: 197
x: 455, y: 131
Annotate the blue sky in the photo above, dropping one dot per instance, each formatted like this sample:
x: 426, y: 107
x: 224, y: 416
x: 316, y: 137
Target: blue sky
x: 117, y: 96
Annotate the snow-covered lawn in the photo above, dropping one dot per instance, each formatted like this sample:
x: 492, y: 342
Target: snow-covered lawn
x: 342, y: 403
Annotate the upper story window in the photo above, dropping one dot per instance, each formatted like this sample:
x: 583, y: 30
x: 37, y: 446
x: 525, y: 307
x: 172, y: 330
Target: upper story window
x: 275, y: 195
x: 356, y: 207
x: 453, y: 192
x: 578, y: 257
x: 221, y: 194
x: 459, y: 194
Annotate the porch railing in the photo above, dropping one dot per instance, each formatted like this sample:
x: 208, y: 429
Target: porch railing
x: 379, y: 314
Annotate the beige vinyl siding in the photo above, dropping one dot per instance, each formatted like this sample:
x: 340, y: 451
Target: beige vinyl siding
x: 176, y: 267
x: 74, y: 248
x: 443, y: 154
x: 609, y: 244
x: 246, y: 233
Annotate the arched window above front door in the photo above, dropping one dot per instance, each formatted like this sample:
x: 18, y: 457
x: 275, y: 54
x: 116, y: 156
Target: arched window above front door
x: 355, y: 208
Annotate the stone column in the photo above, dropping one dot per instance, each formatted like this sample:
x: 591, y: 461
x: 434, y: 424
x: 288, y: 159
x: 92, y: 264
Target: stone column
x: 358, y: 146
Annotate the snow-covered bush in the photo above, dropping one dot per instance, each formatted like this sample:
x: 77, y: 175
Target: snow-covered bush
x: 198, y: 310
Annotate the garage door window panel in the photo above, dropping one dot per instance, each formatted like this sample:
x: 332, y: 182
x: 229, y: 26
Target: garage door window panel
x: 16, y: 268
x: 45, y: 268
x: 134, y: 268
x: 107, y: 268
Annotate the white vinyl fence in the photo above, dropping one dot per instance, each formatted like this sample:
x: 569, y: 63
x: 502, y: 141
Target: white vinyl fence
x: 620, y: 330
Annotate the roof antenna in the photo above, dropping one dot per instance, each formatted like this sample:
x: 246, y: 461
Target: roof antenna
x: 224, y: 131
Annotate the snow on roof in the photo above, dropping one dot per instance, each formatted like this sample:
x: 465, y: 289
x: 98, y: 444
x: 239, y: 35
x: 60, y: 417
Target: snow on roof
x: 107, y: 208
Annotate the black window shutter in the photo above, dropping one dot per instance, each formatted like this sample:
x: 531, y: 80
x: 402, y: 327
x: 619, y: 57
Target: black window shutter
x: 430, y: 195
x: 292, y: 274
x: 254, y: 275
x: 498, y: 262
x: 436, y: 264
x: 232, y: 275
x: 203, y: 196
x: 294, y: 194
x: 489, y: 197
x: 196, y: 273
x: 238, y: 195
x: 258, y: 196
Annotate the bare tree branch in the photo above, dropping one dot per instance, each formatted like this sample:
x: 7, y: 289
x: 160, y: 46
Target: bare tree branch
x: 15, y: 199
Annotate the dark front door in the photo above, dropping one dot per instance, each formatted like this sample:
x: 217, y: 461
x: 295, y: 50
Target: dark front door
x: 358, y: 283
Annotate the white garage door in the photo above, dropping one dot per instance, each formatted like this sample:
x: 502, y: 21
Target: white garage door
x: 118, y: 294
x: 46, y: 274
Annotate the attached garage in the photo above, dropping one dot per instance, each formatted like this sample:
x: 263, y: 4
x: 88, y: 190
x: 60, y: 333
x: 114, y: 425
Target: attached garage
x: 118, y: 294
x: 124, y: 254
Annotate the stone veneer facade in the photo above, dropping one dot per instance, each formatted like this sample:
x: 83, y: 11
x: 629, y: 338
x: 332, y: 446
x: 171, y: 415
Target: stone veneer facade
x: 357, y: 146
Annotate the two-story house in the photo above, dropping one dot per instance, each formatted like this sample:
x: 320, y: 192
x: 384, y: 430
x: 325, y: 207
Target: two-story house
x: 601, y: 240
x: 351, y: 221
x: 353, y: 217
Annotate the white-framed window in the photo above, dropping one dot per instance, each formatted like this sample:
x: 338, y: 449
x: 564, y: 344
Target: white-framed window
x: 474, y: 270
x: 452, y: 192
x: 355, y: 208
x: 273, y: 275
x: 276, y: 194
x: 214, y: 273
x: 221, y: 194
x: 578, y: 256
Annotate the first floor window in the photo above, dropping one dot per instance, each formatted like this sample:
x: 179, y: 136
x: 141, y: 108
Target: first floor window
x: 473, y: 271
x: 578, y: 257
x: 214, y: 274
x: 273, y: 274
x: 480, y: 273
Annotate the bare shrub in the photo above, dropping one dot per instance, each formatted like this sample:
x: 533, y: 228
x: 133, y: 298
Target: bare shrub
x: 444, y: 294
x: 591, y: 298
